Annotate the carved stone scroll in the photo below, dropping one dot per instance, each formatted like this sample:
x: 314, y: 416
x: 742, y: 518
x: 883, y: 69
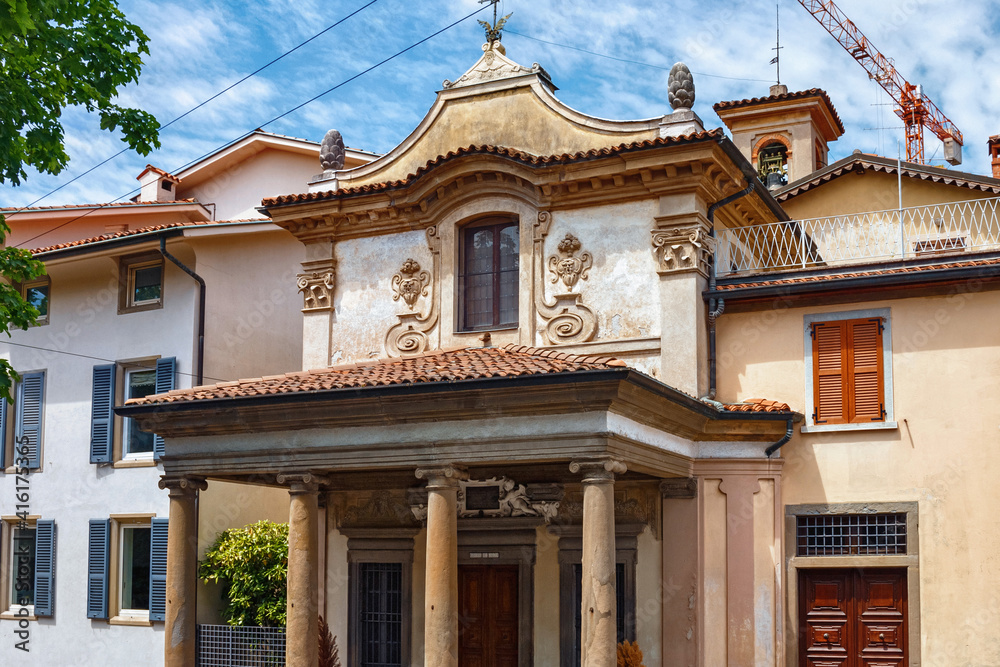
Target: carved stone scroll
x: 409, y: 336
x: 683, y: 249
x: 568, y: 319
x: 317, y: 290
x: 493, y: 65
x: 569, y: 267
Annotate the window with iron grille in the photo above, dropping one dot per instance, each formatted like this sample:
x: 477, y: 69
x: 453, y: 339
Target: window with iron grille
x: 380, y: 615
x: 488, y: 278
x: 851, y: 535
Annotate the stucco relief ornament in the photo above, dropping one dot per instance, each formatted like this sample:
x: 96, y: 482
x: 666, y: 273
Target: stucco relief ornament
x: 680, y: 87
x: 683, y: 249
x: 567, y: 266
x: 317, y: 290
x: 500, y: 497
x: 410, y: 283
x: 332, y: 152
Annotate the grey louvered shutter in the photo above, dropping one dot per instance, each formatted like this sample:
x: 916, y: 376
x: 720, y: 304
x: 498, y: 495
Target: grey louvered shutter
x: 102, y: 419
x: 166, y: 370
x: 158, y: 570
x: 97, y: 568
x: 28, y: 417
x: 45, y: 563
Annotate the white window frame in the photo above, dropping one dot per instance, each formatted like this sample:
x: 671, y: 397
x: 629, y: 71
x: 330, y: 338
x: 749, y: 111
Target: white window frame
x: 128, y: 267
x: 117, y: 614
x: 8, y: 610
x: 889, y: 422
x: 45, y: 282
x: 127, y: 368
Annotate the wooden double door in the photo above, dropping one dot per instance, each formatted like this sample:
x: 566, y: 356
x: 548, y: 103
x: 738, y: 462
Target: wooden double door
x: 853, y: 618
x: 487, y: 615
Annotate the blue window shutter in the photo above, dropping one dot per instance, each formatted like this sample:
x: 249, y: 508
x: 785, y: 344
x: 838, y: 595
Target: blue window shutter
x: 97, y: 568
x: 158, y: 570
x: 102, y: 419
x: 45, y: 564
x: 28, y: 416
x: 3, y: 430
x: 166, y: 370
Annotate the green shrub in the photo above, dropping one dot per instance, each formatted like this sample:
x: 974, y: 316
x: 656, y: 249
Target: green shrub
x: 251, y: 565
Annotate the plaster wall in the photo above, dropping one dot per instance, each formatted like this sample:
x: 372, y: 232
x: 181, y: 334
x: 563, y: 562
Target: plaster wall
x: 945, y: 366
x: 236, y: 191
x: 254, y: 326
x: 85, y: 330
x: 854, y: 193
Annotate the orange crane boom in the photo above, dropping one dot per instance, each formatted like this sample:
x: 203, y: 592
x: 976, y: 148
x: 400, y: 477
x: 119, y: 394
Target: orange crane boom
x: 915, y: 109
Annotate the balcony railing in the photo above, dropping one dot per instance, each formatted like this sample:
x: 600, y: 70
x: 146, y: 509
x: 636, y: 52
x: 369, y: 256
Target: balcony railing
x: 908, y: 233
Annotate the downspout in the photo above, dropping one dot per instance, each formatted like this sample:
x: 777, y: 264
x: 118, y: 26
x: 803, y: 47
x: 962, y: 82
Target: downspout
x: 201, y: 309
x: 781, y: 443
x: 717, y: 306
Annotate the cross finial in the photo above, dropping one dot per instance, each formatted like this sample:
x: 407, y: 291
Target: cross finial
x: 494, y: 32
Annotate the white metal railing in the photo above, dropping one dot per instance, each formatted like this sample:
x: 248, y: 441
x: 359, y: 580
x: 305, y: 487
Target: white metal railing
x: 908, y: 233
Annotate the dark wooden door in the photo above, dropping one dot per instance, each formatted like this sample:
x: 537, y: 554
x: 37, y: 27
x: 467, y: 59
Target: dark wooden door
x: 487, y: 615
x: 852, y: 618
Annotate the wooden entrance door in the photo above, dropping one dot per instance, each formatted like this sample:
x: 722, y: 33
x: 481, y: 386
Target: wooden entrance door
x: 487, y: 615
x: 852, y: 618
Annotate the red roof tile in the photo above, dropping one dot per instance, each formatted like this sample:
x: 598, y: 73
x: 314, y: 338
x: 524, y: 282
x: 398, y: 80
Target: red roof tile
x: 156, y: 170
x: 502, y: 151
x: 801, y: 94
x: 135, y: 232
x: 58, y: 207
x: 756, y: 405
x: 438, y: 366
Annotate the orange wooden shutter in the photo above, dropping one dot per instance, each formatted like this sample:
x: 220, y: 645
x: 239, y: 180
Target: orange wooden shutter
x: 865, y: 387
x: 829, y: 377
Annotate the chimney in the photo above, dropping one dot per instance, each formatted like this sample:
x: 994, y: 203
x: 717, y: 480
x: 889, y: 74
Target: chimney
x: 994, y: 144
x: 157, y: 185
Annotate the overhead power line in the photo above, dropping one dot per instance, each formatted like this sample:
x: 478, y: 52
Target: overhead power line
x: 246, y: 134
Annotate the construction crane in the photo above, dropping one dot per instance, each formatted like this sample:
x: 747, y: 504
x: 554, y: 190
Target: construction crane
x: 915, y: 109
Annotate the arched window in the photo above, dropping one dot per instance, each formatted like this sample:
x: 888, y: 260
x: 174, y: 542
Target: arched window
x: 488, y: 279
x: 773, y: 159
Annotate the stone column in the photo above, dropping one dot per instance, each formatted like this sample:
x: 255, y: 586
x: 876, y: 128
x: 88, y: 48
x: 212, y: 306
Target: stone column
x: 302, y: 625
x: 182, y: 569
x: 441, y: 582
x: 598, y: 628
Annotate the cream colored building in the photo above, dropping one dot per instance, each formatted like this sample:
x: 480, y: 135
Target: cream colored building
x: 121, y: 317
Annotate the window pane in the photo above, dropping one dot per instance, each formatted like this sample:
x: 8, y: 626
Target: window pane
x: 490, y: 276
x: 380, y: 614
x: 508, y: 248
x: 135, y: 567
x: 138, y: 385
x: 38, y: 296
x: 22, y: 569
x: 146, y: 284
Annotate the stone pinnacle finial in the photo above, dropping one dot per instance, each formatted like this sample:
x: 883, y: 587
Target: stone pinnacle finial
x: 680, y: 87
x: 331, y: 151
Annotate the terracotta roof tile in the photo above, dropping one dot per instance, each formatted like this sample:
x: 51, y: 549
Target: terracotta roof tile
x: 756, y: 405
x: 439, y: 366
x: 104, y: 205
x: 502, y: 151
x: 135, y: 232
x: 826, y: 276
x: 156, y: 170
x: 800, y: 94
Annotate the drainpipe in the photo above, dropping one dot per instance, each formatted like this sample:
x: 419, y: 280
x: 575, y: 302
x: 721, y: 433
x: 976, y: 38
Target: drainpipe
x: 781, y: 443
x: 717, y: 306
x: 201, y: 308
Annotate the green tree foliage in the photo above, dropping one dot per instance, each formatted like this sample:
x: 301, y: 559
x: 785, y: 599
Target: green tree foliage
x: 59, y: 53
x: 54, y: 54
x: 251, y: 564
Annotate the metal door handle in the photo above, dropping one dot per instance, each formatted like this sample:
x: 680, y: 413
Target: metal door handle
x: 826, y: 636
x: 881, y: 637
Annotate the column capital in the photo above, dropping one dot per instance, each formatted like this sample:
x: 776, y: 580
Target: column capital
x: 301, y: 482
x: 598, y: 470
x: 180, y: 485
x: 442, y: 476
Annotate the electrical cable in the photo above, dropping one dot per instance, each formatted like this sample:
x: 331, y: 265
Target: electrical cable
x: 276, y: 118
x: 626, y: 60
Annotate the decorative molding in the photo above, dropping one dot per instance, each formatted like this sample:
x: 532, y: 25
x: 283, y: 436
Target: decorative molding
x: 598, y: 470
x: 508, y: 499
x: 181, y: 484
x: 636, y: 504
x: 682, y: 249
x: 317, y: 291
x: 491, y: 66
x: 568, y: 319
x: 301, y: 482
x: 567, y: 266
x: 382, y: 508
x: 679, y: 488
x: 409, y: 336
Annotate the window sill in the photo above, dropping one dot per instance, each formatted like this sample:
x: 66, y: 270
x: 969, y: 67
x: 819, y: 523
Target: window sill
x: 136, y: 621
x: 829, y: 428
x: 12, y: 616
x: 135, y: 463
x: 124, y: 310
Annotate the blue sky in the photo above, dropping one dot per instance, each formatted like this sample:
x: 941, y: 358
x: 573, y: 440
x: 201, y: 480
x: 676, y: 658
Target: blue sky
x: 199, y: 48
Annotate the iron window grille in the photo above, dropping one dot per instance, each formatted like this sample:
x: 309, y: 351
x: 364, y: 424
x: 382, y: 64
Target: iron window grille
x: 851, y: 535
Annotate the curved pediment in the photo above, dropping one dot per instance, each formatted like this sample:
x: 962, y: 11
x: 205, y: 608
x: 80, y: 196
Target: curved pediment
x: 497, y: 102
